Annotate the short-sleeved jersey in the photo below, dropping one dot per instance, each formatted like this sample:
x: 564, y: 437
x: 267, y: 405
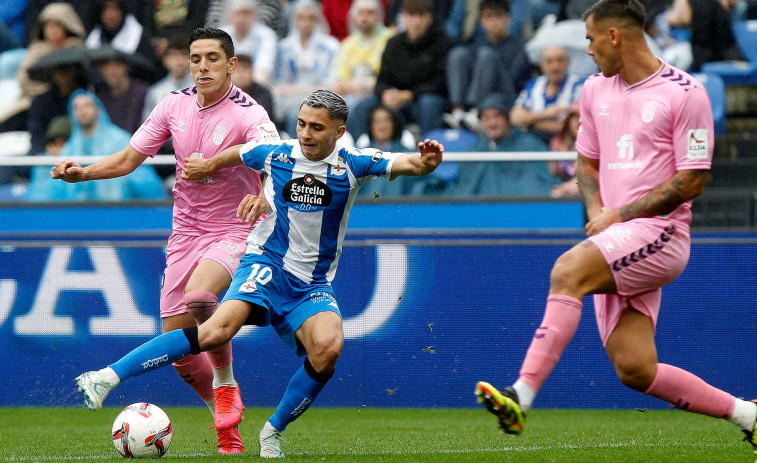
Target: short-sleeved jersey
x: 643, y: 134
x: 311, y: 202
x: 209, y: 204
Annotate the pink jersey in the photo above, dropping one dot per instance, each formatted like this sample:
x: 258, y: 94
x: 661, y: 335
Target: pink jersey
x: 210, y: 204
x: 644, y: 133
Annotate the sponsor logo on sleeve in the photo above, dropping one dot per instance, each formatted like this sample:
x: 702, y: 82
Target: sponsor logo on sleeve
x: 698, y: 144
x: 268, y: 133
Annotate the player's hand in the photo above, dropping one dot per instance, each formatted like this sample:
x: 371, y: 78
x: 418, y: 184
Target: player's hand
x: 431, y: 153
x: 68, y: 171
x: 599, y: 223
x: 196, y: 168
x: 252, y: 207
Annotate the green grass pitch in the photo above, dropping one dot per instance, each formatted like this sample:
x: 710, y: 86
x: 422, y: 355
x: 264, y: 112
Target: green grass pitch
x: 393, y: 435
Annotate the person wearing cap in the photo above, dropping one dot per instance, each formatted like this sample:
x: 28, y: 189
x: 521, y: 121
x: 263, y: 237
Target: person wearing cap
x: 512, y: 178
x: 252, y: 38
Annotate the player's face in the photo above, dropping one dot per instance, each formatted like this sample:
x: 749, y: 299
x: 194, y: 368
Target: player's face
x: 317, y: 133
x: 210, y: 68
x: 601, y: 48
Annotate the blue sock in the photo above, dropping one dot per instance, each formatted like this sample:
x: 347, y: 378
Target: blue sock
x: 302, y: 390
x: 158, y: 352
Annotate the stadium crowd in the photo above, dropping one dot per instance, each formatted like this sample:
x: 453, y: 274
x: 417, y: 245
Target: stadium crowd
x: 475, y: 74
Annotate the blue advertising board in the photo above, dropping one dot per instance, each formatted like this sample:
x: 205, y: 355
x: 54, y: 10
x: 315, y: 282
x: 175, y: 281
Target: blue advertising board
x: 425, y: 318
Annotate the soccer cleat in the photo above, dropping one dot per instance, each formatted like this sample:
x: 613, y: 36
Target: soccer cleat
x: 751, y: 437
x: 95, y: 388
x: 229, y: 441
x: 269, y: 442
x: 504, y: 405
x: 228, y: 409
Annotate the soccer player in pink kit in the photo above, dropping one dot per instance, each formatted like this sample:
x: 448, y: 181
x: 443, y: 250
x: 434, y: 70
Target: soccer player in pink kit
x: 645, y: 150
x: 207, y: 239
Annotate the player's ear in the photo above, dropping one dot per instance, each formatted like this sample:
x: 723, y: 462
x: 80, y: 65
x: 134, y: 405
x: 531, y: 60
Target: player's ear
x: 232, y: 64
x: 340, y: 131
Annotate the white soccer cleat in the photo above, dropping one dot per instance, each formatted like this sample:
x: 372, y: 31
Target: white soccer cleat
x: 95, y: 388
x: 269, y: 442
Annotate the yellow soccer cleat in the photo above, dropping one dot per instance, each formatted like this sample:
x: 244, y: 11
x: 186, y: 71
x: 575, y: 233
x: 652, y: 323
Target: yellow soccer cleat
x: 504, y: 405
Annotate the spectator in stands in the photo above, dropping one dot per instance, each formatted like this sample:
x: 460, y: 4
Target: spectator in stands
x: 92, y: 134
x: 57, y: 26
x: 514, y: 178
x: 543, y: 104
x: 114, y: 26
x: 243, y: 77
x: 711, y: 33
x: 394, y: 16
x: 164, y: 18
x: 176, y: 63
x: 565, y: 140
x: 34, y: 7
x: 252, y: 38
x: 54, y: 102
x: 272, y: 13
x: 122, y: 95
x: 411, y: 78
x: 674, y: 44
x: 385, y: 133
x: 359, y: 57
x: 56, y: 135
x: 463, y: 26
x: 306, y: 62
x: 498, y: 64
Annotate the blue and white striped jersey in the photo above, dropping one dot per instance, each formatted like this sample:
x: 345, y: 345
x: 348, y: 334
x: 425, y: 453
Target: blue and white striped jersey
x: 311, y: 203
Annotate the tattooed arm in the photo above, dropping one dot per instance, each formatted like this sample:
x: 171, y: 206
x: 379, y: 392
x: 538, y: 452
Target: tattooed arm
x: 587, y: 176
x: 663, y: 199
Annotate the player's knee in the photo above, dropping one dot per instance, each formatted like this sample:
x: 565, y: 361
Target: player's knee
x: 200, y: 304
x: 634, y: 372
x: 325, y: 353
x: 566, y: 275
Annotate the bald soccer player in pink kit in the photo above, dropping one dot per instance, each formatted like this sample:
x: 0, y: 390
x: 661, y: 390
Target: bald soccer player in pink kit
x: 645, y: 150
x: 208, y: 239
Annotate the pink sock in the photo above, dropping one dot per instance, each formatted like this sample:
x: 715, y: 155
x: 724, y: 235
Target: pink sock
x: 201, y: 305
x: 560, y: 322
x: 196, y: 371
x: 687, y: 391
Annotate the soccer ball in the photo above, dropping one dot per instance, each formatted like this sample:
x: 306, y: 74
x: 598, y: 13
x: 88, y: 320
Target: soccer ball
x: 142, y: 430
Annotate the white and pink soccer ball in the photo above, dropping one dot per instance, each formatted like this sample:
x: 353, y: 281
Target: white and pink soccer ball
x: 142, y: 430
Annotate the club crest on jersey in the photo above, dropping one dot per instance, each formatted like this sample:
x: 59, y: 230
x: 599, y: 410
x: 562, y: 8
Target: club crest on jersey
x: 340, y: 168
x: 698, y: 144
x: 249, y: 286
x: 307, y: 194
x: 647, y: 111
x: 219, y: 133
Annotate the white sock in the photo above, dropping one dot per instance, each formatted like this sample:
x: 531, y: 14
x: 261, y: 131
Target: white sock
x: 744, y: 414
x: 110, y: 375
x: 211, y: 405
x: 223, y: 377
x: 526, y: 395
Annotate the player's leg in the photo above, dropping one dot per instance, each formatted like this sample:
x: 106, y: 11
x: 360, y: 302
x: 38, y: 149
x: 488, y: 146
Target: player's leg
x: 632, y: 351
x: 580, y: 271
x: 208, y: 280
x: 313, y: 328
x: 165, y: 349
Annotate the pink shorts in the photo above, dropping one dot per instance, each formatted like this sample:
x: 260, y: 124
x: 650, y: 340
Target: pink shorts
x: 184, y: 252
x: 643, y: 255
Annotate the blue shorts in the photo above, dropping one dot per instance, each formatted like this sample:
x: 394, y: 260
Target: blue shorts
x: 288, y: 300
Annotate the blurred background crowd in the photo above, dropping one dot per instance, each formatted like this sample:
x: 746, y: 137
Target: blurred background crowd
x: 78, y: 78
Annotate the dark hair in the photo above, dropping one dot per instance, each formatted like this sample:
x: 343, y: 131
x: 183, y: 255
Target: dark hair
x: 212, y: 33
x: 499, y: 5
x: 241, y: 58
x: 396, y: 121
x: 327, y: 99
x: 178, y: 42
x: 418, y: 6
x: 629, y: 10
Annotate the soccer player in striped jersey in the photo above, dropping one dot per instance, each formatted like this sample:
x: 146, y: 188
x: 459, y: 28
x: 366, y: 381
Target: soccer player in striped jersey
x: 284, y: 278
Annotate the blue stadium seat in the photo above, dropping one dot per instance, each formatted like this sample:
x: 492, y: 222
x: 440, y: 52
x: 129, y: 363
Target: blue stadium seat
x: 454, y: 140
x: 715, y: 87
x: 739, y: 73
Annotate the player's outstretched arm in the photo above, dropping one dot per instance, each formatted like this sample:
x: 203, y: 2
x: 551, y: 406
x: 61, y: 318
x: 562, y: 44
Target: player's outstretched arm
x: 663, y: 199
x: 116, y: 165
x: 422, y: 163
x: 197, y: 168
